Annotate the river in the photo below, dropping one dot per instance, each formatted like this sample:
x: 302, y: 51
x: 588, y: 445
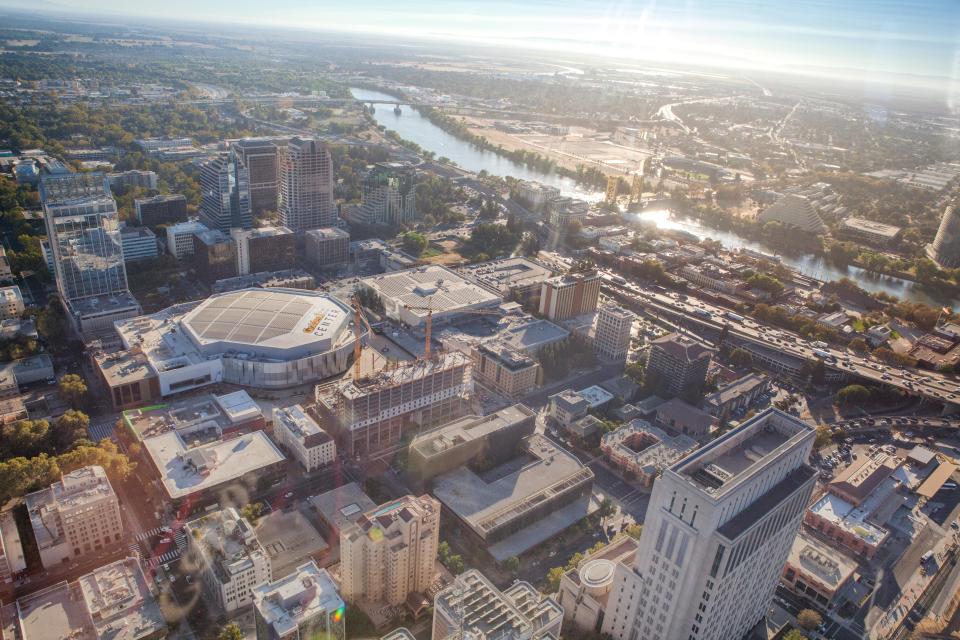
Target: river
x: 413, y: 126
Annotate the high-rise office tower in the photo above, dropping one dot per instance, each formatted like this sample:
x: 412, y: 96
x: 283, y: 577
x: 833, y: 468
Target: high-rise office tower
x: 719, y: 528
x: 945, y: 248
x: 83, y: 229
x: 389, y: 194
x: 260, y: 157
x: 306, y: 186
x: 225, y: 198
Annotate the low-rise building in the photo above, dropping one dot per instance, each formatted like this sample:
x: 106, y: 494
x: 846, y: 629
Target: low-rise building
x: 194, y: 467
x: 327, y: 247
x: 816, y: 571
x: 231, y: 561
x: 180, y: 238
x: 855, y: 483
x: 643, y: 451
x: 585, y: 589
x: 138, y: 243
x: 75, y: 516
x: 11, y: 302
x: 128, y: 378
x: 232, y: 413
x: 505, y: 371
x: 135, y: 178
x: 289, y: 539
x: 301, y: 435
x: 160, y: 209
x: 516, y: 278
x: 846, y: 525
x: 736, y: 396
x: 304, y: 604
x: 264, y: 249
x: 491, y: 438
x: 112, y: 602
x: 567, y: 406
x: 36, y: 368
x: 521, y: 502
x: 338, y: 507
x: 681, y: 417
x: 869, y: 231
x: 287, y: 279
x: 473, y: 607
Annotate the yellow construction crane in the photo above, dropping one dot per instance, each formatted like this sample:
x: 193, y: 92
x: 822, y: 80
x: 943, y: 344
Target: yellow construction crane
x: 428, y: 329
x: 636, y: 190
x: 358, y: 319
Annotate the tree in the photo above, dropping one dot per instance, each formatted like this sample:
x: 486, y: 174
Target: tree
x: 606, y: 508
x: 512, y: 564
x: 104, y: 454
x: 73, y: 390
x: 414, y: 243
x: 634, y: 531
x: 822, y: 438
x: 853, y: 394
x: 741, y: 358
x: 553, y: 578
x: 231, y: 632
x: 809, y: 619
x: 859, y: 345
x: 794, y: 634
x: 24, y: 438
x: 252, y: 511
x: 69, y: 428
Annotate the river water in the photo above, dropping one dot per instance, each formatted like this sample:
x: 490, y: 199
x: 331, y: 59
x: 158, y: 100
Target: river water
x: 411, y: 125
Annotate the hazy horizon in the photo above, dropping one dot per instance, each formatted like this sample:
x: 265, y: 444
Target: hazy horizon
x: 883, y: 38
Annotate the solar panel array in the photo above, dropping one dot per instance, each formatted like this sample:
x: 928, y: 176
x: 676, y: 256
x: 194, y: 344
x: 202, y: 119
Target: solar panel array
x: 251, y: 317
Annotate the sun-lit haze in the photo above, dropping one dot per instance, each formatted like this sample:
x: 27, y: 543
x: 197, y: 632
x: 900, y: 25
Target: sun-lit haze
x: 901, y: 42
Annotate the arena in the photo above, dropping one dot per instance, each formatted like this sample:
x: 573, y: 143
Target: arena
x: 258, y: 338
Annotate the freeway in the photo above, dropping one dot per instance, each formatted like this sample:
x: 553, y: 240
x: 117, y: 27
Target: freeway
x: 926, y: 384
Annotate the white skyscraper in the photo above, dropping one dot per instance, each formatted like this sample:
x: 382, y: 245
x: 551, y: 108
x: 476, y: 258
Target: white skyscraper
x: 306, y: 186
x: 718, y: 532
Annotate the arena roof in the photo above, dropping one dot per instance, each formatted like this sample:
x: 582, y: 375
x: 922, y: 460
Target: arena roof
x: 277, y: 318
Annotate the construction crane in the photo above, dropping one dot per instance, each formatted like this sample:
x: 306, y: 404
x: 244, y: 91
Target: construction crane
x: 358, y: 319
x: 428, y: 329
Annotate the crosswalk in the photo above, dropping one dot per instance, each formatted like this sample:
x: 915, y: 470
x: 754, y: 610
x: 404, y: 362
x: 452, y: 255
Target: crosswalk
x: 141, y: 546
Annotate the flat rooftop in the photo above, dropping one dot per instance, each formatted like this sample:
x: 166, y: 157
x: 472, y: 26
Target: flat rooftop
x: 185, y: 470
x: 306, y: 592
x: 734, y: 390
x: 503, y: 275
x: 208, y: 411
x: 228, y: 542
x: 717, y: 467
x: 530, y: 334
x: 646, y: 446
x: 468, y: 428
x: 509, y: 490
x: 346, y: 503
x: 288, y: 538
x: 431, y: 286
x: 844, y: 515
x: 300, y: 425
x: 120, y: 603
x: 105, y: 304
x: 55, y: 613
x: 829, y: 566
x: 874, y: 228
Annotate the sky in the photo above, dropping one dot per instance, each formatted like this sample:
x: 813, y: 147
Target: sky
x: 874, y: 38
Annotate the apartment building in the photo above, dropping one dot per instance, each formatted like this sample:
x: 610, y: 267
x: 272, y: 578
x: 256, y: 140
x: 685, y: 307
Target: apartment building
x: 76, y: 516
x: 230, y: 558
x: 719, y: 529
x: 391, y: 552
x: 680, y: 361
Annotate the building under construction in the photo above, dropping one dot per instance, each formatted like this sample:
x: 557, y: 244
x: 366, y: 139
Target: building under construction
x: 370, y: 415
